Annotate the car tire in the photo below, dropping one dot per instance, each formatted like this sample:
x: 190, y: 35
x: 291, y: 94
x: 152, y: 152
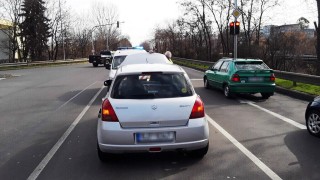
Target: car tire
x: 206, y: 83
x: 265, y: 95
x: 313, y: 123
x: 226, y: 91
x: 105, y: 157
x: 199, y: 153
x: 95, y: 64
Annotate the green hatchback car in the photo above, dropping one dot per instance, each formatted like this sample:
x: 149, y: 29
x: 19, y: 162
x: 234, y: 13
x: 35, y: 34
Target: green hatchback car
x: 241, y: 76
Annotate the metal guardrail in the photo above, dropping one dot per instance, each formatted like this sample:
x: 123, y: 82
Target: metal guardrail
x: 294, y: 77
x: 39, y: 63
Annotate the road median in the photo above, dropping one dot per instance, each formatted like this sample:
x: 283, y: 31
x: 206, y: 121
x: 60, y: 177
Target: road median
x: 23, y: 65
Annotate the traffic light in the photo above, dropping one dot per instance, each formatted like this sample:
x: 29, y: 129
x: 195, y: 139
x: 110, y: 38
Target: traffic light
x: 234, y: 28
x: 231, y: 28
x: 117, y: 24
x: 237, y: 27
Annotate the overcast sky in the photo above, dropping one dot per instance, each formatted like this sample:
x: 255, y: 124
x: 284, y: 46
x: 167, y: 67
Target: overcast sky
x: 142, y: 16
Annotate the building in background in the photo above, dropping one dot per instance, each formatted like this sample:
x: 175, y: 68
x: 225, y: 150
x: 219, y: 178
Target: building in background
x: 4, y: 40
x: 266, y: 31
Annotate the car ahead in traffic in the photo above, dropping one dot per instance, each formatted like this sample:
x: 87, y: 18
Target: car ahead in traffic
x: 241, y: 76
x: 146, y: 58
x: 151, y: 108
x: 104, y: 58
x: 312, y: 116
x: 119, y: 57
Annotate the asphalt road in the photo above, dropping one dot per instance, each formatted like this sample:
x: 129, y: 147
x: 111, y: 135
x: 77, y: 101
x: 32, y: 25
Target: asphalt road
x: 250, y: 138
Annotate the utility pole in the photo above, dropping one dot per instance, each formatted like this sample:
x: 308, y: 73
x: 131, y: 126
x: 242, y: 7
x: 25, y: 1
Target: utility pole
x: 63, y: 48
x: 235, y: 37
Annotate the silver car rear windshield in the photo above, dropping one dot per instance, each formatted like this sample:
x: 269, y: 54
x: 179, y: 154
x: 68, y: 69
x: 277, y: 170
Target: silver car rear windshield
x: 151, y: 85
x: 251, y: 65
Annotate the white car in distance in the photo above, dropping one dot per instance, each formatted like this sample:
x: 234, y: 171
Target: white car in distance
x: 119, y: 57
x: 151, y: 108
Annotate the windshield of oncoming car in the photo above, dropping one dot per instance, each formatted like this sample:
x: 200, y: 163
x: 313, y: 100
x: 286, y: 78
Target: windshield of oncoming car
x: 151, y: 85
x: 251, y: 65
x: 117, y: 60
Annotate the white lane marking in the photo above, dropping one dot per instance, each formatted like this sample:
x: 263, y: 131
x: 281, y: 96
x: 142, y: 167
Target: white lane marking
x: 244, y: 150
x: 36, y: 172
x: 196, y: 79
x: 75, y: 96
x: 285, y: 119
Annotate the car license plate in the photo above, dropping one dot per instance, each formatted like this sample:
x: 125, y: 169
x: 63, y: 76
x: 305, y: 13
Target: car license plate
x: 155, y: 137
x: 255, y: 79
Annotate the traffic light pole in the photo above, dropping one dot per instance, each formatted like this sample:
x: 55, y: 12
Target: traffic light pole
x: 235, y: 37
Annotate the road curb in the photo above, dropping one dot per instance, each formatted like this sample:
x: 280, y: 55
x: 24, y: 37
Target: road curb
x: 295, y: 94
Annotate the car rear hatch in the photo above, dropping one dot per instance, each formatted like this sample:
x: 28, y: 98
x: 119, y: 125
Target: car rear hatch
x: 254, y: 72
x: 258, y: 76
x: 151, y: 113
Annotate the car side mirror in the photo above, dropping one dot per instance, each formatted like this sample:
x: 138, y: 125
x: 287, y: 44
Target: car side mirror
x: 107, y: 66
x: 107, y: 82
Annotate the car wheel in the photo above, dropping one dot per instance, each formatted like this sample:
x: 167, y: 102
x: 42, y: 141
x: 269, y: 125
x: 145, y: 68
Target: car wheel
x: 199, y: 153
x: 95, y: 64
x: 105, y: 157
x: 313, y: 123
x: 206, y: 83
x: 226, y: 91
x: 265, y: 95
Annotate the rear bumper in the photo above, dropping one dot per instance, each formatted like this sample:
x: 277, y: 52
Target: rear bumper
x: 252, y: 88
x: 113, y: 138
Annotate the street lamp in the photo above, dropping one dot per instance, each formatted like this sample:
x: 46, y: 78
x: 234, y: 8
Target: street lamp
x: 94, y: 27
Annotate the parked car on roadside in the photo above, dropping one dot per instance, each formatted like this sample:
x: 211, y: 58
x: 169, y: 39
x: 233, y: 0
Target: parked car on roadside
x: 151, y: 108
x: 241, y: 76
x: 312, y: 116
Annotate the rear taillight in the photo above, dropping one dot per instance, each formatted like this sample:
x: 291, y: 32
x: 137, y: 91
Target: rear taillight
x: 197, y: 110
x: 108, y: 113
x: 272, y: 77
x: 235, y: 78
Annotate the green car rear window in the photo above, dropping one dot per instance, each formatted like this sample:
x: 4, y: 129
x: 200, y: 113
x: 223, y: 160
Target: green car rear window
x: 251, y: 65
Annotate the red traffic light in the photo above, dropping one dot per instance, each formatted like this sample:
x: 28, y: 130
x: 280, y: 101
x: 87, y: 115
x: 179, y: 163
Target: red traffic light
x: 234, y: 28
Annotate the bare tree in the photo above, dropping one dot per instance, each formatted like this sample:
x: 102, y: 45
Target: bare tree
x: 105, y: 17
x: 220, y: 10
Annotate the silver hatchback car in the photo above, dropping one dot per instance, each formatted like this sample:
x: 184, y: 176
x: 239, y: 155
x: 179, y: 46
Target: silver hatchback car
x: 151, y: 108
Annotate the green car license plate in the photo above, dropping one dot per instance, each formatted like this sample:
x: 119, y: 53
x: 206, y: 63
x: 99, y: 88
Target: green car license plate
x: 152, y: 137
x: 255, y: 79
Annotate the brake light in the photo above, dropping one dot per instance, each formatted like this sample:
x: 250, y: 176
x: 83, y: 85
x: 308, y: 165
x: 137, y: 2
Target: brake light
x: 197, y: 110
x: 235, y: 78
x: 272, y: 77
x: 108, y: 113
